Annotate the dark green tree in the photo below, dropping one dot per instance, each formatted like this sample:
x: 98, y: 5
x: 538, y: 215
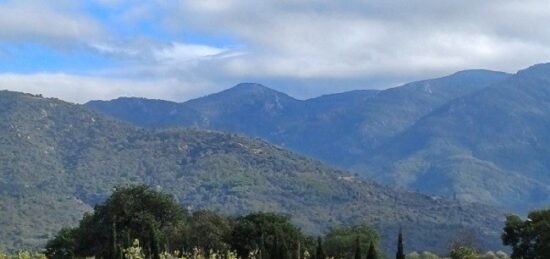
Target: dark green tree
x: 62, y: 246
x: 208, y: 231
x: 275, y: 230
x: 132, y: 212
x: 319, y: 253
x: 358, y: 254
x: 530, y: 238
x: 400, y: 251
x: 275, y: 248
x: 341, y: 242
x: 372, y: 252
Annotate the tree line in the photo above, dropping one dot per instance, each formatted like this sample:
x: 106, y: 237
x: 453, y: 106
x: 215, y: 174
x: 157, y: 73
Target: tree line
x: 137, y: 222
x: 159, y: 226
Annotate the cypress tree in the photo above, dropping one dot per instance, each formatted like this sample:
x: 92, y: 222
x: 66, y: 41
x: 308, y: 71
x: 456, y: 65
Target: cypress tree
x: 262, y: 250
x: 400, y: 253
x: 275, y: 249
x: 357, y: 248
x: 372, y: 252
x: 320, y: 254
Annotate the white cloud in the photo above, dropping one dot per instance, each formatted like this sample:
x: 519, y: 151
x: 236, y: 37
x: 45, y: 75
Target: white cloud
x: 354, y: 39
x: 81, y: 88
x: 44, y: 22
x: 180, y: 52
x: 307, y: 47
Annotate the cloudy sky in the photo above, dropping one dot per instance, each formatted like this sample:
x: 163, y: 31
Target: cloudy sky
x: 178, y: 49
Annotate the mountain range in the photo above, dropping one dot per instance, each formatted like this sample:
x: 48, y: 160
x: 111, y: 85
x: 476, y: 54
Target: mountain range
x: 476, y: 135
x: 58, y: 160
x: 340, y: 128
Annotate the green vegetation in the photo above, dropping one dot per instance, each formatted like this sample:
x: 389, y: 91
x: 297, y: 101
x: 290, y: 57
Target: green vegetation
x: 137, y: 221
x: 135, y: 213
x: 530, y: 238
x: 59, y: 160
x: 400, y: 254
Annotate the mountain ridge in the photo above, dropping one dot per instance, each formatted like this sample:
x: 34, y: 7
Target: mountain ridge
x: 59, y: 159
x: 359, y: 123
x: 506, y: 125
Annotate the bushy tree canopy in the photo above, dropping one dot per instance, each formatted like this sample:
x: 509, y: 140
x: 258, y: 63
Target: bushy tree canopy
x: 136, y: 212
x: 530, y: 238
x: 342, y: 242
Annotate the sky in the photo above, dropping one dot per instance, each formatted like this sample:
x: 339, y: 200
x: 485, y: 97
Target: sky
x: 178, y: 49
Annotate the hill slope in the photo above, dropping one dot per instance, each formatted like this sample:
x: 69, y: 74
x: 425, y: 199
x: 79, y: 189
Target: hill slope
x: 491, y: 146
x: 58, y: 159
x: 339, y: 128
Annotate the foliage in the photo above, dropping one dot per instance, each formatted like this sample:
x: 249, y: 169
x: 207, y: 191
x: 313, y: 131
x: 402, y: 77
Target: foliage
x: 341, y: 242
x: 22, y: 255
x: 63, y: 245
x: 272, y: 234
x: 208, y: 231
x: 530, y: 238
x: 135, y: 212
x: 372, y: 254
x: 319, y: 252
x: 463, y: 252
x: 400, y: 254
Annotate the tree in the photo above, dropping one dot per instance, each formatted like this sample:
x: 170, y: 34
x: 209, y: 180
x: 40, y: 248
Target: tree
x: 320, y: 254
x: 272, y: 231
x: 62, y: 246
x: 358, y: 254
x: 132, y: 212
x: 529, y: 239
x: 372, y: 252
x: 342, y: 242
x: 400, y: 253
x: 208, y: 231
x: 463, y: 252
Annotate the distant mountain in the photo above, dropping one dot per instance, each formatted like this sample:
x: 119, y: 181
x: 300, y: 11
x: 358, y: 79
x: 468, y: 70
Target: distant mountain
x: 491, y: 146
x: 340, y: 128
x: 58, y: 159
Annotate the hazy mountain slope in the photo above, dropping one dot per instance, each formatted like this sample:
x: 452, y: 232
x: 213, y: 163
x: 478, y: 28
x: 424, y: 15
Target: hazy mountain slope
x: 490, y: 146
x: 353, y: 130
x: 58, y: 159
x: 147, y: 112
x: 338, y: 128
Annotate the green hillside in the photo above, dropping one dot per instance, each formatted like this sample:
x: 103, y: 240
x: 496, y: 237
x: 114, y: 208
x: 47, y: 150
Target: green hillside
x: 59, y: 159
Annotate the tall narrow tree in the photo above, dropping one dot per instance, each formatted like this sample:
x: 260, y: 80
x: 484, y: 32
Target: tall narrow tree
x: 372, y: 252
x: 320, y: 254
x: 357, y: 248
x: 400, y: 253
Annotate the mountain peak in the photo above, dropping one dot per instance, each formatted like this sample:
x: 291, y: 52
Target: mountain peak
x: 251, y: 88
x: 249, y: 85
x: 253, y: 91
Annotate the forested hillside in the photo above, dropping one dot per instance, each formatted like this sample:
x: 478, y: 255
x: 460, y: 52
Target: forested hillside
x: 476, y: 135
x: 58, y: 159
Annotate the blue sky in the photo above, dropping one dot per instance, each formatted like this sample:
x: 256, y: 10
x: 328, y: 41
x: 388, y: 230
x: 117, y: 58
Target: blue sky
x: 179, y: 49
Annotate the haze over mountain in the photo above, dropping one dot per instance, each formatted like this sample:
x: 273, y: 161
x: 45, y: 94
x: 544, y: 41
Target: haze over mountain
x: 491, y: 146
x: 475, y: 135
x: 338, y: 128
x: 58, y: 159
